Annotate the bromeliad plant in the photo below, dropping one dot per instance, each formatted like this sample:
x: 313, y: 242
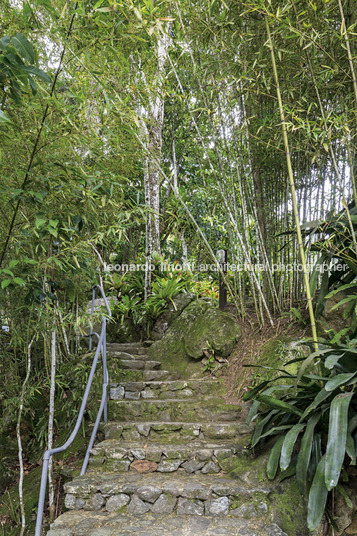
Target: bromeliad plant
x: 313, y: 422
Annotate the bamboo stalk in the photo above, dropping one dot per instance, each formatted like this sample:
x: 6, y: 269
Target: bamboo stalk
x: 292, y: 189
x: 354, y: 79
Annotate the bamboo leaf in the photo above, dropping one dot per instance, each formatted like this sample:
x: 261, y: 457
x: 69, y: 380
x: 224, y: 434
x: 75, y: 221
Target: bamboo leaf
x: 337, y: 436
x: 4, y: 118
x: 36, y: 72
x: 24, y: 47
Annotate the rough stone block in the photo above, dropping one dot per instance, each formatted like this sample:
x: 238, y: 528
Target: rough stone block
x: 169, y: 466
x: 165, y: 504
x: 137, y: 506
x: 190, y: 507
x: 217, y: 507
x: 148, y: 493
x: 116, y: 502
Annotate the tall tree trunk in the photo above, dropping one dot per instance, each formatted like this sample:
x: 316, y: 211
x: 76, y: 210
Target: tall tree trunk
x: 154, y: 146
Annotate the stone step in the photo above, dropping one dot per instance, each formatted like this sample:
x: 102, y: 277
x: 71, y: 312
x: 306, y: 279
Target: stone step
x: 102, y: 523
x: 164, y: 389
x: 134, y: 348
x: 139, y: 364
x: 207, y: 409
x: 176, y: 433
x: 126, y: 355
x: 194, y: 457
x: 120, y: 375
x: 137, y: 494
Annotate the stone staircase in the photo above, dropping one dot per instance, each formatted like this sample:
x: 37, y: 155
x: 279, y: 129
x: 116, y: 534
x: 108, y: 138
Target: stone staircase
x: 165, y: 463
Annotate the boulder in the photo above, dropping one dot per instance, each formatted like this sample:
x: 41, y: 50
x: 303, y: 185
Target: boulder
x: 173, y: 311
x: 200, y: 326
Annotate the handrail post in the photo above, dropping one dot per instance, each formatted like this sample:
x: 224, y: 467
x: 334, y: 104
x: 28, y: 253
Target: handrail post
x: 41, y: 499
x: 105, y: 369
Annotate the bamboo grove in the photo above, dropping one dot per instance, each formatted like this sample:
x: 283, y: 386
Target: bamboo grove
x: 246, y: 114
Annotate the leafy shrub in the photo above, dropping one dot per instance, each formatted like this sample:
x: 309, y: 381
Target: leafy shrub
x: 165, y: 286
x: 313, y: 422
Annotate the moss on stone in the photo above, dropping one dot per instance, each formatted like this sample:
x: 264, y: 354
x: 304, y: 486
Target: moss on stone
x: 289, y: 508
x: 201, y: 325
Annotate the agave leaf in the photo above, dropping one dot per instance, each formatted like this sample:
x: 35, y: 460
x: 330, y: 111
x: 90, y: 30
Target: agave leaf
x: 337, y: 437
x: 279, y: 404
x: 253, y: 411
x: 276, y: 430
x: 320, y: 304
x: 315, y: 274
x: 307, y: 362
x: 317, y: 497
x: 345, y: 495
x: 253, y: 392
x: 340, y: 289
x: 290, y: 471
x: 320, y: 397
x: 316, y: 455
x: 260, y: 426
x: 342, y: 302
x: 303, y: 459
x: 332, y: 360
x: 273, y: 461
x: 352, y: 424
x: 288, y: 445
x: 350, y: 448
x: 338, y: 380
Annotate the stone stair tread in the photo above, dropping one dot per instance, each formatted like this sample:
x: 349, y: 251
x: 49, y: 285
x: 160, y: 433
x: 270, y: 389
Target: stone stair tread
x: 140, y: 364
x: 205, y: 399
x: 120, y: 354
x: 135, y: 344
x: 193, y: 487
x: 132, y: 349
x: 84, y: 523
x: 163, y: 389
x: 201, y: 408
x: 157, y: 383
x: 192, y: 430
x: 199, y: 444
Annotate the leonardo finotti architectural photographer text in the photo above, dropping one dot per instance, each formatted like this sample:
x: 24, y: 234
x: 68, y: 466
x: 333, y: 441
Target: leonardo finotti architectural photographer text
x: 230, y: 267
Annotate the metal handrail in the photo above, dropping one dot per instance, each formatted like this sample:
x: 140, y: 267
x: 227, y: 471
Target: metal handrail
x: 103, y: 409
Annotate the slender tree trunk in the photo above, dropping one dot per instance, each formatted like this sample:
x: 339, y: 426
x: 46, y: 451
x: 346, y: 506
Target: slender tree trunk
x: 154, y: 145
x: 19, y: 441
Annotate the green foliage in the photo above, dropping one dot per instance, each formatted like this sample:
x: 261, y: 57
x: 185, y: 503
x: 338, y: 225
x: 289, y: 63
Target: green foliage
x: 17, y: 68
x: 132, y: 306
x: 313, y: 422
x: 336, y: 245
